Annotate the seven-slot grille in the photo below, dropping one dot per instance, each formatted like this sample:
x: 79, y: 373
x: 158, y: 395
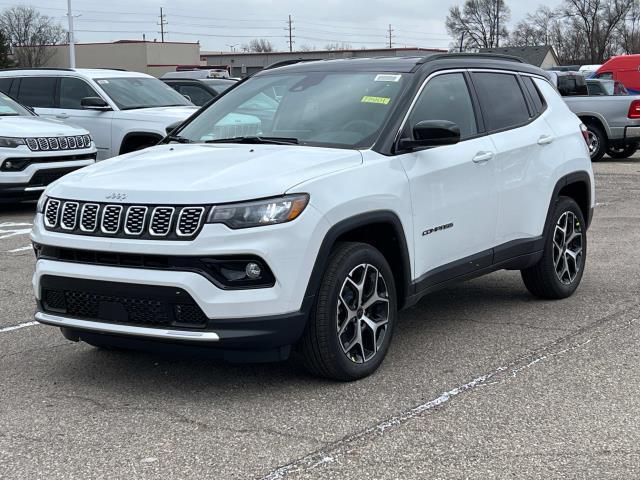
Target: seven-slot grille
x: 58, y: 143
x: 142, y: 221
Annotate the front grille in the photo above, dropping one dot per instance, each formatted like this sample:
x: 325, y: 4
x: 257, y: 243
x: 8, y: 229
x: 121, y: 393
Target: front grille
x: 69, y: 215
x: 161, y: 221
x: 134, y: 222
x: 51, y: 213
x: 111, y: 218
x: 89, y: 217
x: 110, y: 302
x: 189, y: 221
x: 40, y: 144
x: 140, y: 221
x: 42, y: 178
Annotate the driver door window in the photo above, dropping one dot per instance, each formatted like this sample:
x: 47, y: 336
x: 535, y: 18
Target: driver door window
x: 446, y: 97
x: 72, y: 91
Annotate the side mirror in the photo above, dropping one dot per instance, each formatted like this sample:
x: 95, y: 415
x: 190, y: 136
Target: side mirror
x: 94, y: 103
x: 431, y: 133
x: 172, y: 127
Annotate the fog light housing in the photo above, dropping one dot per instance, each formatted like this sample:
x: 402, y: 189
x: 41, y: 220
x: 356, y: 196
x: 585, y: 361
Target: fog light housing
x: 253, y: 270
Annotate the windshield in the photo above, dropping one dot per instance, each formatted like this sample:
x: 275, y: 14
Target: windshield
x: 11, y: 108
x: 344, y: 110
x: 220, y: 85
x: 141, y: 92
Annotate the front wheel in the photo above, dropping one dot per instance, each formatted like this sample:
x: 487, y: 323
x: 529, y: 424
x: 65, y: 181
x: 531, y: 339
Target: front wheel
x: 622, y: 152
x: 350, y: 329
x: 559, y: 271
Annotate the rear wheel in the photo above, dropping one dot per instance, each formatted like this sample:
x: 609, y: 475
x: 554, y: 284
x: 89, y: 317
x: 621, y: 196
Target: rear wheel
x: 559, y: 271
x: 622, y: 152
x: 350, y: 329
x: 597, y: 143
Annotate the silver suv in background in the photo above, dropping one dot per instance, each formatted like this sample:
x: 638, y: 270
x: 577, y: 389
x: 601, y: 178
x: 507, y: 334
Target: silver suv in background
x: 124, y: 111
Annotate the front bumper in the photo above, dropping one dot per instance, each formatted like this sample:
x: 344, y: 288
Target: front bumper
x: 236, y: 319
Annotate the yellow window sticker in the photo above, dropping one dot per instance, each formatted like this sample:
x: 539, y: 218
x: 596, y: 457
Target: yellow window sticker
x: 379, y: 100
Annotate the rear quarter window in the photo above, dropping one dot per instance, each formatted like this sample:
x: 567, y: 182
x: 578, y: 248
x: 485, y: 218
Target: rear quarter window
x: 502, y: 100
x: 534, y: 94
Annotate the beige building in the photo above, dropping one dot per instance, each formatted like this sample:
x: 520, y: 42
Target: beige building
x: 154, y: 58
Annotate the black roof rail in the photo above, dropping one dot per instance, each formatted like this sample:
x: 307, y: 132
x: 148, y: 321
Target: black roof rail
x: 284, y: 63
x: 488, y: 56
x: 35, y: 68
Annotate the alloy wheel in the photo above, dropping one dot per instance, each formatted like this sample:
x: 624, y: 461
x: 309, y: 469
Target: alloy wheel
x: 567, y: 247
x: 594, y: 142
x: 362, y: 313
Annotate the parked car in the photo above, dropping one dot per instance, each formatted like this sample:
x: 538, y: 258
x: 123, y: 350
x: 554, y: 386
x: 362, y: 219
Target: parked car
x: 124, y: 111
x: 34, y: 152
x: 374, y: 182
x: 613, y: 121
x: 589, y: 71
x: 605, y: 87
x: 624, y: 69
x: 198, y: 73
x: 199, y: 91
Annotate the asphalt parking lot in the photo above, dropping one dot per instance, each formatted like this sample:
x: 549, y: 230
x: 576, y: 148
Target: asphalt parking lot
x: 482, y: 381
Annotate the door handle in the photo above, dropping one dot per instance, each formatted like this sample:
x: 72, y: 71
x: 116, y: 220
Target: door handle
x: 545, y: 140
x: 482, y: 157
x: 62, y: 115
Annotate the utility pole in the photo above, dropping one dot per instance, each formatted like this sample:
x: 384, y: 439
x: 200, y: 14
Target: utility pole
x: 162, y: 23
x: 497, y: 23
x: 290, y: 24
x: 72, y: 45
x: 390, y: 37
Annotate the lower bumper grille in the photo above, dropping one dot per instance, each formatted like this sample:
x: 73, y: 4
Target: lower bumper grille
x: 43, y: 178
x: 139, y: 305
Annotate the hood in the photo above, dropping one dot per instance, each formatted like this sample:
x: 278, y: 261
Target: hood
x: 24, y: 126
x: 200, y: 174
x: 158, y: 114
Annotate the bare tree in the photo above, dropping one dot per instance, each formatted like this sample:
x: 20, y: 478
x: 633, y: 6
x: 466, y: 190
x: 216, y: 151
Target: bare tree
x: 597, y: 21
x: 258, y: 45
x: 30, y: 33
x: 306, y: 48
x: 479, y: 24
x: 336, y: 46
x: 628, y: 33
x: 535, y: 29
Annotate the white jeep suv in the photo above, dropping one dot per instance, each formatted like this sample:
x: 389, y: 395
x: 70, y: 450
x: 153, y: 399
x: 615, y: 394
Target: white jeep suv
x: 34, y: 152
x: 124, y: 111
x: 368, y: 184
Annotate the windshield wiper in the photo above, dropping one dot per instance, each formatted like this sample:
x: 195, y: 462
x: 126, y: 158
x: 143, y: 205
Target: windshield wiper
x: 178, y: 138
x: 270, y: 140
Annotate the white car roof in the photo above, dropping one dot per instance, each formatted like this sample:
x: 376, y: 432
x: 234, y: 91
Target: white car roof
x: 90, y: 73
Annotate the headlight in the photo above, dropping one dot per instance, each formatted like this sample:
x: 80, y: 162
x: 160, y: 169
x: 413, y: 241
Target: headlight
x: 10, y: 142
x: 269, y: 211
x: 41, y: 201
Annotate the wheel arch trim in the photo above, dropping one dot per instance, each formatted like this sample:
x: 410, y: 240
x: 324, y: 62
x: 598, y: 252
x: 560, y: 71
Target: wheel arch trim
x: 350, y: 224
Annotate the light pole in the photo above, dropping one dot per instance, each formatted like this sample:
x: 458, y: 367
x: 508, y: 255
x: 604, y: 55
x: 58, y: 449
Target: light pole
x: 72, y: 45
x: 232, y: 46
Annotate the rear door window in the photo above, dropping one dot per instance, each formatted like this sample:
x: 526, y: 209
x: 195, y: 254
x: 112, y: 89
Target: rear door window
x: 38, y: 91
x: 502, y: 100
x: 536, y: 96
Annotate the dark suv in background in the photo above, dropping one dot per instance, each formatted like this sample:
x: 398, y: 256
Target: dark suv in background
x: 199, y: 90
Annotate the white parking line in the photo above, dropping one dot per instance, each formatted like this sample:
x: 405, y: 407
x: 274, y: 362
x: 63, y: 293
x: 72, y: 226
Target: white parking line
x: 18, y: 327
x: 9, y: 229
x: 21, y: 249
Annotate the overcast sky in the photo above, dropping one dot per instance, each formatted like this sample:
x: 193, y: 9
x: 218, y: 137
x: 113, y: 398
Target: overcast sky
x: 220, y: 24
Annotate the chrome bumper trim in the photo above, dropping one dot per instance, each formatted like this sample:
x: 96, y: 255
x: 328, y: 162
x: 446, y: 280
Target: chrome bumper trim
x: 34, y: 189
x: 130, y: 330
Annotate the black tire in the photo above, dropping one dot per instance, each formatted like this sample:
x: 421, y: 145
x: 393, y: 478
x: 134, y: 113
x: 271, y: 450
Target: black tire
x: 599, y: 143
x: 622, y: 152
x: 542, y: 279
x: 321, y: 347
